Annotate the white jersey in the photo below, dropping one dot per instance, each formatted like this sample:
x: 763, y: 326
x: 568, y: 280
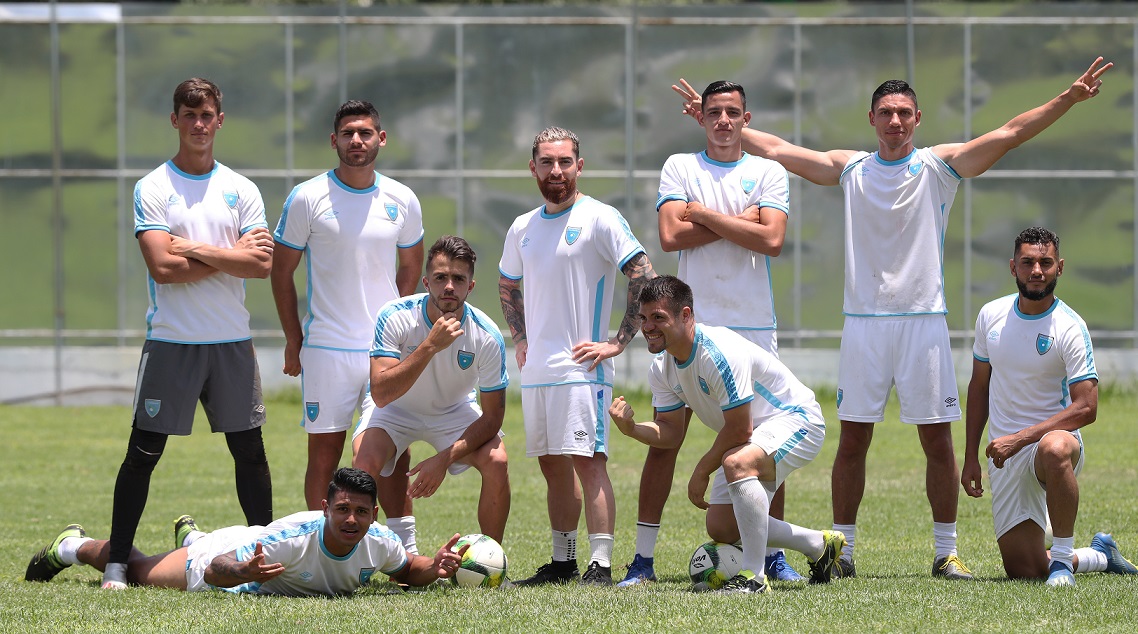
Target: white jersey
x: 1034, y: 359
x: 297, y: 541
x: 476, y: 359
x: 350, y: 238
x: 721, y: 270
x: 725, y: 371
x: 896, y: 216
x: 571, y: 261
x: 216, y: 209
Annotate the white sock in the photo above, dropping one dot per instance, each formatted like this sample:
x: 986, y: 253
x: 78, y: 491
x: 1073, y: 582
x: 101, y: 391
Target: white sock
x: 944, y: 538
x: 646, y: 535
x: 786, y: 535
x: 750, y: 504
x: 565, y: 545
x: 601, y: 545
x: 192, y: 537
x: 1062, y: 550
x: 1090, y: 560
x: 69, y: 550
x: 404, y: 527
x: 115, y: 574
x: 850, y: 531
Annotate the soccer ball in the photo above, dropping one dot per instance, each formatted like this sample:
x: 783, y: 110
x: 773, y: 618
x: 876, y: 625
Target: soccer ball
x: 713, y: 563
x: 483, y: 565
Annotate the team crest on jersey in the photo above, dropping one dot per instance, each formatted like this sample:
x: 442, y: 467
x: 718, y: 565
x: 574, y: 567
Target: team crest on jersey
x: 1043, y: 343
x: 748, y: 185
x: 465, y: 359
x: 703, y: 386
x: 365, y: 575
x: 915, y: 167
x: 392, y: 210
x: 312, y: 410
x: 152, y: 406
x: 571, y: 234
x: 230, y: 198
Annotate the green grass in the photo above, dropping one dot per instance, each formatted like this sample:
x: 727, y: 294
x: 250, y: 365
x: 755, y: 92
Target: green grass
x: 60, y: 465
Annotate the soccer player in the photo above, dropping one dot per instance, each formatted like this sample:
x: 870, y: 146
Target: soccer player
x: 767, y: 422
x: 897, y: 201
x: 430, y: 352
x: 201, y: 228
x: 569, y: 251
x: 330, y: 552
x: 1034, y: 378
x: 363, y: 236
x: 725, y: 211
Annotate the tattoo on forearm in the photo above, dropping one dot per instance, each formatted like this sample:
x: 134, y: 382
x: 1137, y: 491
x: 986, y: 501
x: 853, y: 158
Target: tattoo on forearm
x: 513, y: 308
x: 639, y: 271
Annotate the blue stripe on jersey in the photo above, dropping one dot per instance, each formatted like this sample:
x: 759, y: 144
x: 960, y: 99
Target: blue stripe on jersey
x: 598, y: 303
x: 940, y: 245
x: 599, y: 427
x: 790, y: 444
x: 660, y: 200
x: 671, y: 408
x: 152, y: 290
x: 935, y: 312
x: 703, y: 155
x: 900, y: 161
x: 193, y: 177
x: 246, y: 551
x: 548, y: 216
x: 627, y: 229
x: 308, y: 292
x: 492, y: 329
x: 1086, y: 337
x: 386, y: 313
x: 417, y: 241
x: 507, y: 276
x: 637, y: 251
x: 311, y: 347
x: 770, y: 290
x: 774, y: 205
x: 980, y: 358
x: 578, y: 382
x: 279, y: 233
x: 138, y: 206
x: 851, y: 166
x: 1065, y: 399
x: 1050, y: 309
x: 253, y: 226
x: 952, y: 171
x: 353, y: 190
x: 724, y: 369
x: 327, y: 553
x: 197, y: 343
x: 383, y: 532
x: 778, y: 404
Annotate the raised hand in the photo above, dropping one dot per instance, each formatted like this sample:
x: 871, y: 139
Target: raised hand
x: 693, y: 102
x: 1088, y: 84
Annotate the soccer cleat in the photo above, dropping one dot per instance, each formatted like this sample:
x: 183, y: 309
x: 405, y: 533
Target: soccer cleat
x: 845, y: 569
x: 1115, y: 562
x: 743, y: 583
x: 822, y: 569
x: 779, y: 569
x: 639, y: 571
x: 559, y: 572
x: 597, y: 575
x: 951, y: 567
x: 1060, y: 575
x: 183, y: 526
x: 46, y: 563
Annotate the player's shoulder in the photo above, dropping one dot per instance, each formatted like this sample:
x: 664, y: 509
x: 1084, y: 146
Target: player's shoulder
x: 1064, y: 311
x: 525, y: 219
x: 291, y: 527
x: 231, y: 175
x: 407, y: 306
x: 393, y: 188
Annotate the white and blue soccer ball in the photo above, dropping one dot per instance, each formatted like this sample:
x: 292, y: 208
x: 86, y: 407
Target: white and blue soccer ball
x: 713, y: 563
x: 483, y: 565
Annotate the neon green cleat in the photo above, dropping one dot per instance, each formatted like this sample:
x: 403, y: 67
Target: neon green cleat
x: 951, y: 567
x: 822, y: 569
x: 183, y: 526
x: 46, y: 563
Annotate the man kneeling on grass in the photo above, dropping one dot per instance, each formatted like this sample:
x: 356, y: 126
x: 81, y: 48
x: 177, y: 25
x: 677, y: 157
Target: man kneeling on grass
x: 313, y: 553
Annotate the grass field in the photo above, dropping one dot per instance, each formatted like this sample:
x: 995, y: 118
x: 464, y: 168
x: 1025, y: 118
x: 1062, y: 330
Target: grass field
x: 60, y: 465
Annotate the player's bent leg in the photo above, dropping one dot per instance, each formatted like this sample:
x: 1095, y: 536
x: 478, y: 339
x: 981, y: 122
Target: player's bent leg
x: 1055, y: 458
x: 721, y: 523
x: 1022, y: 551
x: 494, y: 498
x: 394, y: 499
x: 778, y: 568
x: 847, y: 481
x: 374, y: 449
x: 324, y: 452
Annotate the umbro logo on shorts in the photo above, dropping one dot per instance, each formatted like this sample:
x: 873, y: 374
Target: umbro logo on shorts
x: 950, y: 402
x: 580, y: 433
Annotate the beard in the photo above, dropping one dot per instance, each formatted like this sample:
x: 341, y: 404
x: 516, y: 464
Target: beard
x: 355, y: 161
x: 557, y: 193
x: 1035, y: 296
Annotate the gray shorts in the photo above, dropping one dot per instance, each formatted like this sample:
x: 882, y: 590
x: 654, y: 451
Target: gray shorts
x: 173, y: 377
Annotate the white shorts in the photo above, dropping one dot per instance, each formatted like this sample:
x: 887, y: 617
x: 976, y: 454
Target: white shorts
x: 1017, y: 494
x: 914, y: 353
x: 765, y: 339
x: 566, y: 419
x: 792, y: 441
x: 334, y: 384
x: 405, y: 428
x: 205, y: 548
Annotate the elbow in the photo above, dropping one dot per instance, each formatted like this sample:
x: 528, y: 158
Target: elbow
x: 669, y: 243
x: 775, y: 248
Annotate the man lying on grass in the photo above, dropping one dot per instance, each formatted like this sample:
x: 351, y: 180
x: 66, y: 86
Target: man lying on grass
x: 313, y: 553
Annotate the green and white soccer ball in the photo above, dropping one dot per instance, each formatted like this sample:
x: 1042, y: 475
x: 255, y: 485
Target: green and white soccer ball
x: 483, y: 565
x: 713, y: 563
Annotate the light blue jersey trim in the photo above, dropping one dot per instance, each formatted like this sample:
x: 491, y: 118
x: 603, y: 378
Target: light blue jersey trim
x: 740, y: 403
x: 193, y: 177
x: 383, y: 353
x: 723, y: 368
x: 152, y: 291
x: 1050, y: 309
x: 307, y: 325
x: 1085, y: 377
x: 670, y: 197
x: 294, y: 247
x: 598, y: 303
x: 638, y: 251
x: 751, y: 328
x: 935, y: 312
x: 508, y: 276
x: 279, y: 233
x: 707, y: 158
x: 789, y: 445
x: 778, y: 404
x: 253, y: 226
x: 311, y: 347
x: 980, y: 358
x: 353, y: 190
x: 329, y: 555
x: 408, y: 246
x: 548, y: 216
x: 197, y: 343
x: 390, y: 309
x: 577, y: 382
x: 951, y: 171
x: 599, y: 445
x: 671, y: 409
x: 496, y: 334
x: 900, y: 161
x: 773, y: 205
x: 497, y: 388
x: 245, y: 552
x: 851, y: 166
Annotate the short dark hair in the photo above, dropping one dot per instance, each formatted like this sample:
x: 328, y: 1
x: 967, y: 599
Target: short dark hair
x: 667, y: 287
x: 353, y: 481
x: 356, y: 108
x: 553, y: 134
x: 893, y: 87
x: 1036, y: 235
x: 722, y: 87
x: 454, y: 248
x: 193, y: 92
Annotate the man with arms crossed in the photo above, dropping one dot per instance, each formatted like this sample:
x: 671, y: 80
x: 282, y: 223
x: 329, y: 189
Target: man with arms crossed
x: 201, y: 228
x: 768, y: 424
x: 725, y: 212
x: 570, y: 250
x: 430, y: 352
x: 363, y: 235
x: 1034, y: 377
x: 330, y: 552
x: 897, y: 202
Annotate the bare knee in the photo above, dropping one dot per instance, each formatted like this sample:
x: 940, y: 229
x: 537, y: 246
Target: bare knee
x: 1057, y: 452
x: 855, y: 439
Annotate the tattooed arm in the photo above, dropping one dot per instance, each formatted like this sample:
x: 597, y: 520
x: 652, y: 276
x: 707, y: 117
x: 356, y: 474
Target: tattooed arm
x: 639, y: 271
x: 510, y: 292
